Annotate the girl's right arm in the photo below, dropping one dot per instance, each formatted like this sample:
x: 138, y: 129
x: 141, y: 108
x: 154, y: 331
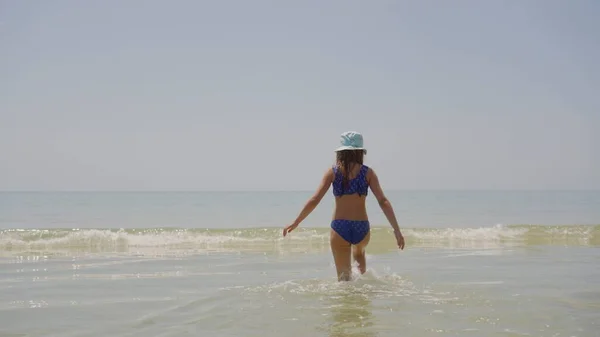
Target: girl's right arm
x: 385, y: 205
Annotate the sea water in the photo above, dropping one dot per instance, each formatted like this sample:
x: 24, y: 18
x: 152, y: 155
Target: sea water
x: 476, y: 263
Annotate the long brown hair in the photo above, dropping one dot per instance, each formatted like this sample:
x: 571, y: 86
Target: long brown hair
x: 345, y: 159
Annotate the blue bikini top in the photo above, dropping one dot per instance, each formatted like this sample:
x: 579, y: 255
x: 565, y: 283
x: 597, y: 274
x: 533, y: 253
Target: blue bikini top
x: 358, y: 184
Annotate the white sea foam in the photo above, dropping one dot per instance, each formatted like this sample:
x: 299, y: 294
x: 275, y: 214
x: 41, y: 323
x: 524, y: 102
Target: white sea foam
x: 271, y: 239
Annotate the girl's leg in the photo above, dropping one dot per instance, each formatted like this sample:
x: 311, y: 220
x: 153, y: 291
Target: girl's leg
x: 341, y: 250
x: 358, y: 252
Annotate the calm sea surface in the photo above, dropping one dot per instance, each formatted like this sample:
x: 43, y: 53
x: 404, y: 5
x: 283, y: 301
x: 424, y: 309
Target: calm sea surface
x: 477, y: 263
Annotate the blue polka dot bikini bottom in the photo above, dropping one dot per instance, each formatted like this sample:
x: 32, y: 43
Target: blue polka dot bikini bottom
x: 352, y: 231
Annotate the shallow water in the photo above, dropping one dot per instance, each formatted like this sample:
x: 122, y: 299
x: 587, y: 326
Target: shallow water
x: 496, y: 281
x: 488, y: 280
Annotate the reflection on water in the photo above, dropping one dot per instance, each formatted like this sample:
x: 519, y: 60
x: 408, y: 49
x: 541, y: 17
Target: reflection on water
x: 351, y: 314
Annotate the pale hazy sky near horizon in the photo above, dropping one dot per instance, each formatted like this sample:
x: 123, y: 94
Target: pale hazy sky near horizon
x: 237, y: 95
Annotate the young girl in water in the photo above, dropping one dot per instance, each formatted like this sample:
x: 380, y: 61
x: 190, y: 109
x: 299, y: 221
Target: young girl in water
x: 350, y: 229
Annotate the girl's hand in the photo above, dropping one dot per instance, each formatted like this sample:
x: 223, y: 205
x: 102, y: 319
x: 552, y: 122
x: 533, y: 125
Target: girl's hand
x: 289, y: 229
x: 399, y: 239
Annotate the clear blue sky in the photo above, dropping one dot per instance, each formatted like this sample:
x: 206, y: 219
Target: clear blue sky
x: 232, y: 95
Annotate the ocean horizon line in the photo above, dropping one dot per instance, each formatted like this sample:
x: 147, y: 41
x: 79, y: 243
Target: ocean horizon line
x: 292, y: 190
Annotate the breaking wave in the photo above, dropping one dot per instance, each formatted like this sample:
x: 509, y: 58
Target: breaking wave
x: 270, y: 240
